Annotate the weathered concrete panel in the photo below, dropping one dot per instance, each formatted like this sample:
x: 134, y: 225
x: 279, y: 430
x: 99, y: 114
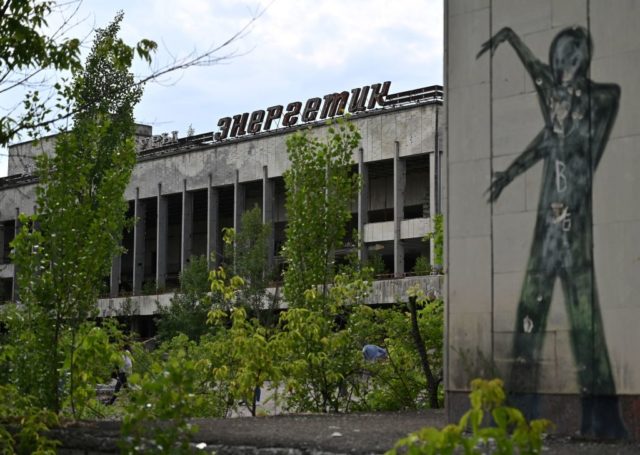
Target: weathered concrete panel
x: 510, y: 247
x: 378, y: 232
x: 522, y: 15
x: 470, y: 263
x: 415, y: 228
x: 563, y: 234
x: 466, y: 32
x: 469, y: 349
x: 470, y: 216
x: 24, y: 198
x: 566, y: 13
x: 469, y: 136
x: 468, y: 6
x: 614, y: 28
x: 427, y: 129
x: 621, y: 328
x: 506, y: 293
x: 616, y: 184
x: 508, y: 75
x: 514, y: 197
x: 621, y: 69
x: 511, y: 137
x: 617, y: 251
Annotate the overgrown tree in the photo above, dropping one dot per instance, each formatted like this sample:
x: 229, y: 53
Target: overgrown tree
x: 35, y: 59
x: 64, y: 251
x: 187, y: 313
x: 246, y: 252
x: 320, y: 187
x: 26, y: 51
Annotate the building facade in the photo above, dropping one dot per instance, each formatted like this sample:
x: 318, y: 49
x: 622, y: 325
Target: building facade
x: 184, y: 191
x: 542, y: 164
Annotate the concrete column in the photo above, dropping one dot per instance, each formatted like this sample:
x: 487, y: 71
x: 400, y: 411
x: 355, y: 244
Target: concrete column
x: 213, y: 202
x: 399, y: 179
x: 268, y: 194
x: 238, y: 201
x: 363, y: 204
x: 139, y: 230
x: 432, y: 198
x: 3, y: 260
x: 187, y: 227
x: 161, y: 240
x: 14, y: 284
x: 116, y: 268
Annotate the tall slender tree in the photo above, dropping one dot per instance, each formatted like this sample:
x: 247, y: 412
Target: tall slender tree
x: 64, y: 251
x: 320, y: 187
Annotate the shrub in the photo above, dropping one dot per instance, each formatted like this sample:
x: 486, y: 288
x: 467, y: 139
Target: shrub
x: 474, y: 432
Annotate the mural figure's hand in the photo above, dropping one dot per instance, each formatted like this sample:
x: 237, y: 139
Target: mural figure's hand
x: 500, y: 181
x: 497, y: 39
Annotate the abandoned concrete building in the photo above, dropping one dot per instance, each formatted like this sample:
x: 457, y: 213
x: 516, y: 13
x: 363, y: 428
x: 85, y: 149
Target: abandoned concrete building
x: 184, y: 191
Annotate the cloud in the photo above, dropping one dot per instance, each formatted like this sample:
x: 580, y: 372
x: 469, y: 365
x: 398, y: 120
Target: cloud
x: 297, y: 49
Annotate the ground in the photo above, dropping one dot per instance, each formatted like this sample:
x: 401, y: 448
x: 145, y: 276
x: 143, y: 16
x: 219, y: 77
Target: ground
x: 366, y: 433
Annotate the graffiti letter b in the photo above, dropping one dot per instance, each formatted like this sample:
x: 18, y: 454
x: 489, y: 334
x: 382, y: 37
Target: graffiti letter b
x: 561, y: 178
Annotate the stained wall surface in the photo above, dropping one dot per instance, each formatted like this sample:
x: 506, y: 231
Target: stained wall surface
x: 542, y: 211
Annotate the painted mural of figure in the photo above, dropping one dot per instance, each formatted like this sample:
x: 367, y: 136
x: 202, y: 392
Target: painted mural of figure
x: 578, y: 117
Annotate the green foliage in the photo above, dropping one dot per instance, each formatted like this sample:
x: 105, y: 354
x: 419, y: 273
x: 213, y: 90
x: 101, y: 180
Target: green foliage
x: 417, y: 299
x: 376, y: 263
x: 25, y: 50
x: 474, y: 434
x: 242, y: 356
x: 437, y: 237
x: 246, y: 254
x: 321, y: 360
x: 194, y: 279
x: 399, y: 382
x: 320, y: 186
x: 422, y: 266
x: 162, y: 399
x: 189, y: 308
x: 64, y: 251
x: 23, y: 425
x: 89, y: 362
x: 224, y: 289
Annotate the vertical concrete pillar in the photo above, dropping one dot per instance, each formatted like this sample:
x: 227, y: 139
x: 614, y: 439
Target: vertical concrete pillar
x: 268, y: 193
x: 213, y: 202
x: 238, y: 205
x: 161, y: 240
x: 139, y: 211
x: 363, y: 204
x: 238, y: 201
x: 187, y: 226
x: 432, y: 198
x: 14, y: 284
x: 3, y: 259
x: 399, y: 179
x: 114, y: 283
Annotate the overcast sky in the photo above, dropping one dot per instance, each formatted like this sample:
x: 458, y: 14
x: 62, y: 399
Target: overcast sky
x: 297, y: 49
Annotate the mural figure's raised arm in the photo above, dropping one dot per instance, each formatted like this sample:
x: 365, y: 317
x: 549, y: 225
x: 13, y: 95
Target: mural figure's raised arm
x: 535, y: 151
x: 605, y: 99
x: 534, y: 66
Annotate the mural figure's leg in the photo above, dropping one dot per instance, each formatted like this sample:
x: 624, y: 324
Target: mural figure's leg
x: 531, y: 320
x: 600, y: 408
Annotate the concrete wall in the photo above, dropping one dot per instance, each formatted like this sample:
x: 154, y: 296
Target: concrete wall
x: 414, y: 127
x: 522, y: 297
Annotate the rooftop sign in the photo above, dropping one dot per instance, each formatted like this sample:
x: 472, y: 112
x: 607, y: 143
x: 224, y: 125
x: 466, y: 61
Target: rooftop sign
x: 359, y: 99
x: 334, y: 104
